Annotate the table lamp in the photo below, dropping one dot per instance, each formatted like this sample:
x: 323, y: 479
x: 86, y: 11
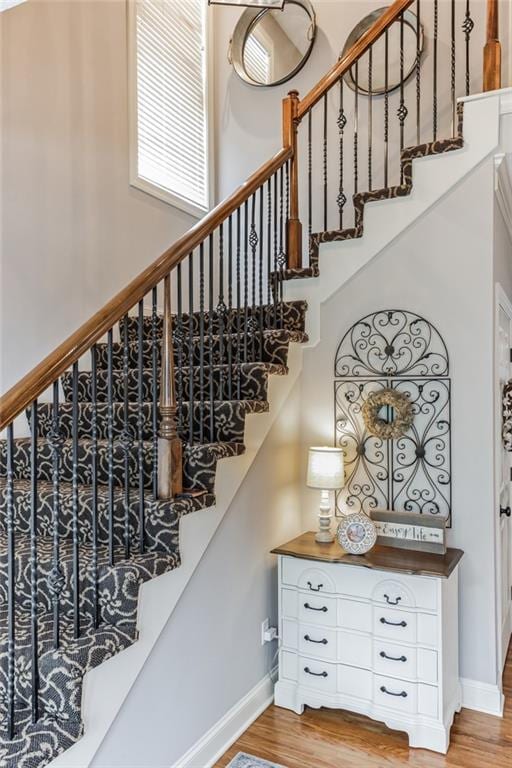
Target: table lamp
x: 325, y: 472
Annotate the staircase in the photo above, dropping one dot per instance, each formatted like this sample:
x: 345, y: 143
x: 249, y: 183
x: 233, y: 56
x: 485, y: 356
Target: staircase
x: 130, y: 416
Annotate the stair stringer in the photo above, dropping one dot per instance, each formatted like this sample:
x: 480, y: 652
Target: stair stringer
x: 107, y: 686
x: 384, y: 220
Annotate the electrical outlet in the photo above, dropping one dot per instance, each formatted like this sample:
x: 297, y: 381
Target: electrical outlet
x: 264, y: 628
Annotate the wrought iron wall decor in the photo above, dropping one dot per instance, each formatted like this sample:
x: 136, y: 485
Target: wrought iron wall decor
x: 397, y: 350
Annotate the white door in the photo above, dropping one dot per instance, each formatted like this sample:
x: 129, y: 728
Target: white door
x: 504, y: 500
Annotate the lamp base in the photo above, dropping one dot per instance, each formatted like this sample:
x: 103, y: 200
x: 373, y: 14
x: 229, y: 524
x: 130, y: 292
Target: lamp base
x: 324, y: 537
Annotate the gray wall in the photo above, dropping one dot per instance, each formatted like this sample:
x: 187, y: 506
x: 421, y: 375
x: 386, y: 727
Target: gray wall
x: 73, y: 232
x: 210, y: 654
x: 441, y: 268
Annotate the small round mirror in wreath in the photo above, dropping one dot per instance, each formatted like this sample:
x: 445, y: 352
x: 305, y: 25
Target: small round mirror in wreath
x: 402, y: 419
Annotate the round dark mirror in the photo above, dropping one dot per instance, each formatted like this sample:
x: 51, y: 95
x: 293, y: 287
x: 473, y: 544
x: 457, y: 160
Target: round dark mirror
x: 386, y: 66
x: 270, y: 46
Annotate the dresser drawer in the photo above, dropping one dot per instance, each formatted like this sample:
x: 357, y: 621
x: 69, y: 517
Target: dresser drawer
x: 308, y: 608
x: 403, y: 696
x: 361, y: 583
x: 415, y: 593
x: 405, y: 626
x: 304, y: 575
x: 310, y: 639
x: 317, y: 675
x: 404, y: 661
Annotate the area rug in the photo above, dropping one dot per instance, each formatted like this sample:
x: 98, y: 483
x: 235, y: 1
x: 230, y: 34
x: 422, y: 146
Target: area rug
x: 243, y: 760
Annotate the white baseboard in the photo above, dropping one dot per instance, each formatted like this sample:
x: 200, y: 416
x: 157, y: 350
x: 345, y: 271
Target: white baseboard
x: 226, y: 731
x: 482, y: 697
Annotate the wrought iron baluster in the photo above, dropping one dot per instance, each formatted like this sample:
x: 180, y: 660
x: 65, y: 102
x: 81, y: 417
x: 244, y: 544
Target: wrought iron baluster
x: 386, y: 108
x: 140, y: 425
x: 126, y: 440
x: 154, y: 390
x: 191, y: 402
x: 370, y: 116
x: 276, y: 276
x: 246, y: 278
x: 75, y: 506
x: 418, y: 71
x: 342, y: 122
x: 221, y: 313
x: 402, y: 109
x: 210, y: 337
x: 253, y: 244
x: 310, y: 173
x: 281, y: 257
x: 201, y: 346
x: 11, y: 581
x: 56, y: 577
x: 356, y: 125
x: 238, y: 303
x: 229, y: 318
x: 269, y: 244
x: 110, y: 446
x: 434, y: 73
x: 325, y: 180
x: 170, y: 449
x: 467, y: 27
x: 34, y: 499
x: 260, y: 280
x: 94, y: 485
x: 453, y: 66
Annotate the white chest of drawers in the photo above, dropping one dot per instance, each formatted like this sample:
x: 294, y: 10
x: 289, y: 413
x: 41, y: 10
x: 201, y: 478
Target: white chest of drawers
x: 376, y: 634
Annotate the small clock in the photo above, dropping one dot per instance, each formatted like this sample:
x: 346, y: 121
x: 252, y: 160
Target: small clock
x: 356, y: 533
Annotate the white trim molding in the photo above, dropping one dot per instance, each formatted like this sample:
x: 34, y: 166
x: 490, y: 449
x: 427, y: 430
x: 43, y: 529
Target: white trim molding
x: 482, y: 697
x: 503, y: 189
x: 226, y: 731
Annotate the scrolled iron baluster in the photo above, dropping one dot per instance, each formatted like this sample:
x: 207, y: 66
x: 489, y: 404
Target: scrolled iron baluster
x: 238, y: 348
x: 310, y: 173
x: 370, y: 116
x: 246, y: 279
x: 356, y: 126
x: 467, y: 27
x: 110, y: 445
x: 434, y: 65
x: 341, y: 122
x: 211, y: 357
x: 418, y: 71
x: 402, y: 111
x: 260, y: 275
x: 221, y: 320
x: 34, y: 503
x: 324, y: 160
x: 170, y: 458
x: 154, y: 390
x: 229, y: 317
x: 453, y: 67
x: 386, y: 108
x: 191, y: 402
x: 253, y: 244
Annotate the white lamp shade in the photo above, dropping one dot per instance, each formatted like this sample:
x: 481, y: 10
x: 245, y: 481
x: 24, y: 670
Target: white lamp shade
x: 325, y: 469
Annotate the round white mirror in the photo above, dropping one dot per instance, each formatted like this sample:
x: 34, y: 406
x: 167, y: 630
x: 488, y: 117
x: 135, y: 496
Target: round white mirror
x: 270, y: 46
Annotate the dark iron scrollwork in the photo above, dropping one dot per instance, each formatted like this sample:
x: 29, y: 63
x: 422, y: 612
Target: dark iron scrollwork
x: 392, y: 343
x: 402, y: 351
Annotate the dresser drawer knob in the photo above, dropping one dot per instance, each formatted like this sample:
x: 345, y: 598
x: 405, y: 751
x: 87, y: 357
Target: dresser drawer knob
x: 384, y: 655
x: 393, y: 623
x: 315, y: 674
x: 403, y: 694
x: 310, y: 640
x: 315, y: 589
x: 309, y: 607
x: 392, y: 602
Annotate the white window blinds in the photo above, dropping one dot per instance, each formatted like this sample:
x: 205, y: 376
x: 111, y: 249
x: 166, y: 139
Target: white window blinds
x: 171, y: 100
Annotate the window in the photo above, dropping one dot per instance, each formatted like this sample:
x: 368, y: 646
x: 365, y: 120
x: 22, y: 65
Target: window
x: 169, y: 101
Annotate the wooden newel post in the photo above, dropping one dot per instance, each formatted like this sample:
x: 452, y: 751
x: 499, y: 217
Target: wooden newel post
x: 492, y: 50
x: 170, y: 458
x: 294, y: 229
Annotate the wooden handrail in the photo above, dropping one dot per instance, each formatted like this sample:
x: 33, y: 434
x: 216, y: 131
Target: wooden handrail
x: 492, y: 49
x: 31, y: 386
x: 358, y: 49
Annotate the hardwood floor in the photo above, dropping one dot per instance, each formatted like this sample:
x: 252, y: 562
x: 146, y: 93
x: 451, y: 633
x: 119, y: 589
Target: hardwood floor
x: 334, y: 739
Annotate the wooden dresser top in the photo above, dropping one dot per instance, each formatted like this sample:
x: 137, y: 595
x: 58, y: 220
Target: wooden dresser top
x: 380, y: 558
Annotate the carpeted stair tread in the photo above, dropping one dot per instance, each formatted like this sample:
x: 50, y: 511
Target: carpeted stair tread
x: 199, y: 462
x: 251, y: 378
x: 289, y: 314
x: 161, y: 518
x: 118, y: 584
x: 229, y: 417
x: 37, y: 744
x: 274, y: 348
